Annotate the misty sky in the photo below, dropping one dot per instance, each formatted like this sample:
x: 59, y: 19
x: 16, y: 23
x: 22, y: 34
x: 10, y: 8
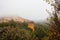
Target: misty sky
x: 29, y: 9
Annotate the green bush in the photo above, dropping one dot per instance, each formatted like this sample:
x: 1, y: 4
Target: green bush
x: 18, y: 31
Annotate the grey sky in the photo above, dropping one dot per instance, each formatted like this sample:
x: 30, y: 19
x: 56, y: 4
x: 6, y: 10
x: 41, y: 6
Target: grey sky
x: 29, y: 9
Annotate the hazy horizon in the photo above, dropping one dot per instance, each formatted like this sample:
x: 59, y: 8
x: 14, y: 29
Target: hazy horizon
x: 29, y: 9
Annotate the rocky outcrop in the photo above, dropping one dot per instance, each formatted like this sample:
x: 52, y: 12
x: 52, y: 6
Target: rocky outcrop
x: 16, y: 19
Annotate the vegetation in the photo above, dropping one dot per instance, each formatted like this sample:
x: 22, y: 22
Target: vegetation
x: 18, y: 31
x: 54, y: 26
x: 46, y: 31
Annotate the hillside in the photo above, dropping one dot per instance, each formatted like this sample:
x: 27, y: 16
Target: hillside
x: 17, y: 28
x: 14, y: 18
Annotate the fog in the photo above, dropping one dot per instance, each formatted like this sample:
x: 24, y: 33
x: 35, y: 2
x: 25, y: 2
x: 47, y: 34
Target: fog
x: 29, y: 9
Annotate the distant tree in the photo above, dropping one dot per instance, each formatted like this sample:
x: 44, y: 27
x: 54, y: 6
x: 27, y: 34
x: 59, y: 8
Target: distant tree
x: 40, y: 31
x: 14, y: 33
